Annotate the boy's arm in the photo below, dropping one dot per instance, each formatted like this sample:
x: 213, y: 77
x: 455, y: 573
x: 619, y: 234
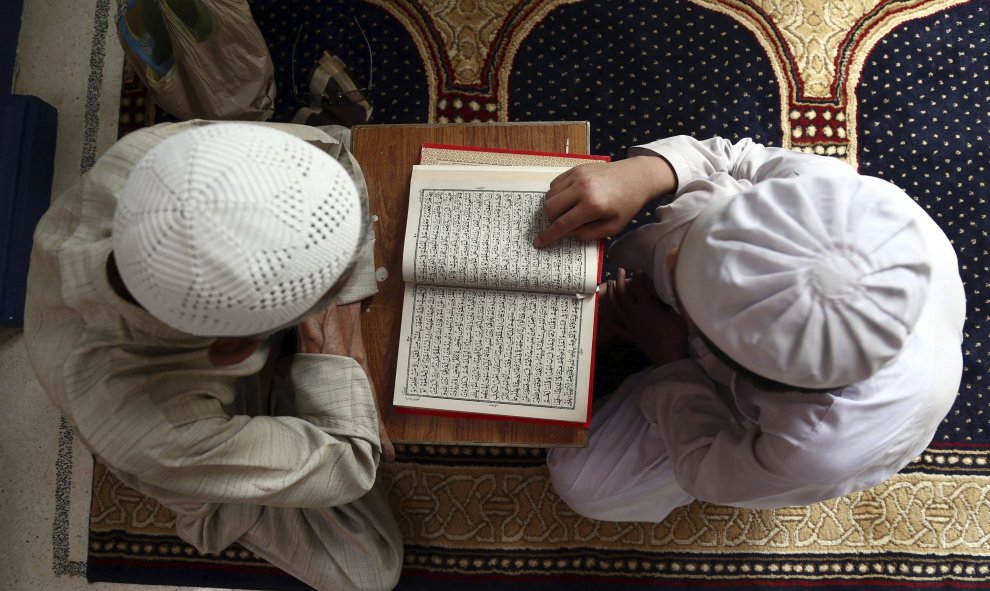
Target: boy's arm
x: 598, y: 199
x: 174, y: 434
x: 351, y: 314
x: 745, y: 160
x: 182, y: 445
x: 717, y: 458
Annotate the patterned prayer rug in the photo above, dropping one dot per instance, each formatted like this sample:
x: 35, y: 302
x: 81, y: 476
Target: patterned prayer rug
x: 899, y: 88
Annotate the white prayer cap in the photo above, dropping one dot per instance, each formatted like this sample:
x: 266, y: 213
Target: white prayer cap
x: 814, y: 282
x: 234, y: 229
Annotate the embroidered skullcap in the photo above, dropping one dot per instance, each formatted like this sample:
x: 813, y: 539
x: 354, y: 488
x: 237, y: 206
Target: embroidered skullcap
x: 814, y: 282
x: 233, y: 229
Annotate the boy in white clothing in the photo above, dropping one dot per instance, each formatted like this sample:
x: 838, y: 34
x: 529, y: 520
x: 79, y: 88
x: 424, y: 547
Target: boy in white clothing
x: 792, y: 310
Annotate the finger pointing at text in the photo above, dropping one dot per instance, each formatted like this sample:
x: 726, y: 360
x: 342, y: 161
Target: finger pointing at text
x: 597, y: 199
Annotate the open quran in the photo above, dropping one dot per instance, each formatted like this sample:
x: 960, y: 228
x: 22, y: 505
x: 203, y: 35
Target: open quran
x: 492, y: 326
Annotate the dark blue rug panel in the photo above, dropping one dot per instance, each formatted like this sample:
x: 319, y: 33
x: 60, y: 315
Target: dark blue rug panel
x: 641, y: 70
x: 924, y: 125
x: 299, y: 31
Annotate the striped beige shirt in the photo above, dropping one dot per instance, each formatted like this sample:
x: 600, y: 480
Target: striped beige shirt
x: 145, y: 399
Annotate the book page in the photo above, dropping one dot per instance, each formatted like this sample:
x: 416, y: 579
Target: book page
x: 474, y: 226
x: 506, y: 353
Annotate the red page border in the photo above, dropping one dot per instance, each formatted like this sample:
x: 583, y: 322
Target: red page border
x: 511, y: 151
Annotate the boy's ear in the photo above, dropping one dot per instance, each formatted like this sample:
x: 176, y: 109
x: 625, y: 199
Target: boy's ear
x: 226, y: 351
x: 671, y: 258
x: 671, y: 261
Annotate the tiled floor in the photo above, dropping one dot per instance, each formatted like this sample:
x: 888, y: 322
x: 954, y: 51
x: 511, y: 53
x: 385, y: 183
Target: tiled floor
x: 68, y: 55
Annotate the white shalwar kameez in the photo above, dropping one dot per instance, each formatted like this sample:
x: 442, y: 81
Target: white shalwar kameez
x: 694, y: 429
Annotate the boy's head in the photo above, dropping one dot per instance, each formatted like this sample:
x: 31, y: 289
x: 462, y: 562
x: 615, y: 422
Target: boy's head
x: 235, y: 229
x: 815, y: 282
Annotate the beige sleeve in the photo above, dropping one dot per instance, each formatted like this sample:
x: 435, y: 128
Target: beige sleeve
x: 362, y: 283
x: 326, y: 455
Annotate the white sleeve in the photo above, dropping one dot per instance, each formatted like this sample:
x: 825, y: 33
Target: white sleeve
x: 744, y: 160
x: 721, y: 459
x: 715, y: 458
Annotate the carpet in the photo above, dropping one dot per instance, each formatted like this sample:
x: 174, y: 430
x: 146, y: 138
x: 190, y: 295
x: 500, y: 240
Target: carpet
x: 898, y: 88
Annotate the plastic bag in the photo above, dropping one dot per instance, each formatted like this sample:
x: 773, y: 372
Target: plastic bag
x: 200, y: 59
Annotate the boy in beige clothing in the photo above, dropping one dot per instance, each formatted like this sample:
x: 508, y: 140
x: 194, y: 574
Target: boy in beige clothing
x: 155, y: 284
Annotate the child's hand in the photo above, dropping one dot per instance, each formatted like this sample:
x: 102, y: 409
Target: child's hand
x: 598, y: 199
x: 336, y: 330
x: 327, y: 332
x: 633, y: 311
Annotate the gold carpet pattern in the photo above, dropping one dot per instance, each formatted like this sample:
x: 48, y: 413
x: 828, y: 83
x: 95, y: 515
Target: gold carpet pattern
x: 480, y: 509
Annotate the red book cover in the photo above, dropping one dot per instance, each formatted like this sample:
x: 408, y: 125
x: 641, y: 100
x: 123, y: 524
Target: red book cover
x: 426, y: 148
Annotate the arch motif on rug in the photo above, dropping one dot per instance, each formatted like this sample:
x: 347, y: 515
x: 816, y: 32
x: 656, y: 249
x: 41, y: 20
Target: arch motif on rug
x: 817, y: 49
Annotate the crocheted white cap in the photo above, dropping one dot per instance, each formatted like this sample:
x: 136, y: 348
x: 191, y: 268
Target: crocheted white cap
x: 234, y: 229
x: 813, y: 282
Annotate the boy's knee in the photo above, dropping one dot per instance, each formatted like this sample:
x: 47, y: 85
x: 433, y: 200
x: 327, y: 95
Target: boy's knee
x: 391, y: 561
x: 577, y: 492
x: 388, y: 554
x: 378, y: 569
